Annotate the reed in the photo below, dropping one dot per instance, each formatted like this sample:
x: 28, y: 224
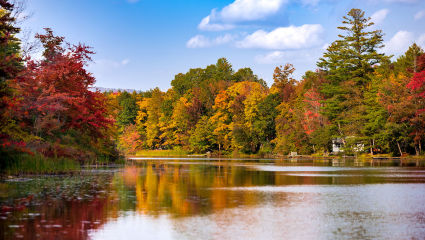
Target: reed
x: 162, y: 153
x: 38, y: 164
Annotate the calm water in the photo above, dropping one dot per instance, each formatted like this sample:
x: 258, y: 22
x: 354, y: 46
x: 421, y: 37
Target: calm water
x: 211, y: 199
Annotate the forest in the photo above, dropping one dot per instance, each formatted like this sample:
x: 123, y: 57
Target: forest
x: 357, y: 95
x: 367, y: 101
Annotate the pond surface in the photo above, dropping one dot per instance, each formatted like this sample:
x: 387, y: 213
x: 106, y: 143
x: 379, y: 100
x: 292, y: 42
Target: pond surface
x: 218, y: 199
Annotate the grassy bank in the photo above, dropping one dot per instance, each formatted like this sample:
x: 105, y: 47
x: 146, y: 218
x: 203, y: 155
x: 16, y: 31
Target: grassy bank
x: 31, y: 164
x: 183, y: 153
x: 161, y: 153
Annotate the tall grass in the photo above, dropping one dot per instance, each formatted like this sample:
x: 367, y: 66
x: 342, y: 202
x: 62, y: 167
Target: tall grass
x: 105, y: 160
x: 161, y: 153
x: 29, y: 164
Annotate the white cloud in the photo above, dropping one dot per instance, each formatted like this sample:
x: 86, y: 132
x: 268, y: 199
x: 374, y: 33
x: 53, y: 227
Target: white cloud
x: 291, y: 37
x: 246, y: 10
x: 107, y: 63
x: 297, y: 57
x: 239, y: 11
x: 272, y: 57
x: 206, y: 25
x: 399, y: 43
x: 419, y: 15
x: 200, y: 41
x: 379, y: 16
x: 292, y: 56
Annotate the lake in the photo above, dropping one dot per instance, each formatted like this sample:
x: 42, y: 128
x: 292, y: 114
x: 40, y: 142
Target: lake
x: 195, y: 198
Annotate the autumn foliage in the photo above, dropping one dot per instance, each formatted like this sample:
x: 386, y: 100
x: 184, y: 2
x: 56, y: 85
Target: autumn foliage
x: 53, y: 106
x: 357, y: 95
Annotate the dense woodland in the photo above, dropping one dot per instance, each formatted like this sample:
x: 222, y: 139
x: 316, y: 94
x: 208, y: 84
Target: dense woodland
x: 357, y: 95
x: 47, y: 107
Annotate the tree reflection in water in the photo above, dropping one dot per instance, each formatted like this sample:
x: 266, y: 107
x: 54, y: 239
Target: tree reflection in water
x: 209, y: 196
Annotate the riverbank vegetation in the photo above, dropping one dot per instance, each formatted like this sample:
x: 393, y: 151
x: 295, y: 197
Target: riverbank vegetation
x: 48, y: 110
x: 39, y: 164
x: 358, y: 98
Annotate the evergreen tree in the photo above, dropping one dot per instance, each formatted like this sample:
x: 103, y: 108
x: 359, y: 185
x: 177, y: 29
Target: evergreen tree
x: 202, y: 138
x: 10, y: 66
x: 348, y: 63
x: 408, y: 62
x: 129, y: 110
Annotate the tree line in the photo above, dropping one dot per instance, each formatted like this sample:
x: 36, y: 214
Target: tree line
x: 357, y: 95
x: 47, y: 105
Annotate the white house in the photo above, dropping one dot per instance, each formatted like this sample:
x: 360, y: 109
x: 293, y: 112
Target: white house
x: 337, y: 145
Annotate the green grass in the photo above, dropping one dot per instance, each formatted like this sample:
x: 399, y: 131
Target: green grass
x: 161, y: 153
x: 180, y: 152
x: 105, y: 160
x: 31, y: 164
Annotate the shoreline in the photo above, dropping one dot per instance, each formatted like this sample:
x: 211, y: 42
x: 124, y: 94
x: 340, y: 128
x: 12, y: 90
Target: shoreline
x: 183, y: 153
x: 37, y: 165
x: 363, y: 157
x: 26, y: 164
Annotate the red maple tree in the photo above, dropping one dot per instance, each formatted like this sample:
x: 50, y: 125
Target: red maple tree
x: 56, y: 95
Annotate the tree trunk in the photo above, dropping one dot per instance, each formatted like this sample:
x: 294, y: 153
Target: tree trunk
x: 340, y: 132
x: 414, y: 64
x: 399, y: 149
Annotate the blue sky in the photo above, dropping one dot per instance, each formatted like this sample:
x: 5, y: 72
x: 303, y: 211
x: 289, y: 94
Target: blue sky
x: 142, y: 44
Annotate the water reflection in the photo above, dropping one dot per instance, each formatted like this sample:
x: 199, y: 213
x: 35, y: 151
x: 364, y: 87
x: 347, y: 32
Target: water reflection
x: 191, y: 199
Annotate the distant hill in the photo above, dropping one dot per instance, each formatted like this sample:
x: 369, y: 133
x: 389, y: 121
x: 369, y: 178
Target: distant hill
x: 102, y: 89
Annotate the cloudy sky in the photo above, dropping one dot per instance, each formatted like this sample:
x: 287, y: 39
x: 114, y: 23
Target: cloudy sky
x: 142, y: 44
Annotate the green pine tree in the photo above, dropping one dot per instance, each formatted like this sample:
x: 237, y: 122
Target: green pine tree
x: 348, y: 63
x: 10, y: 65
